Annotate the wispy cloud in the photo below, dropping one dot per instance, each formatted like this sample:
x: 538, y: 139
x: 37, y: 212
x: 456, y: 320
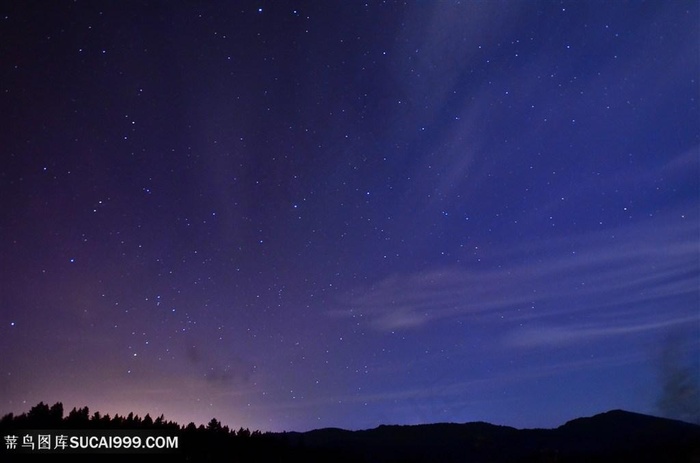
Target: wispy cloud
x: 566, y: 334
x: 612, y: 270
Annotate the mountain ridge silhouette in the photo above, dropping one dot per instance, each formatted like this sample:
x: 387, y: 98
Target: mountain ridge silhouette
x: 612, y: 436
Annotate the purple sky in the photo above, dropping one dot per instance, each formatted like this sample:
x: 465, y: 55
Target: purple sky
x: 293, y: 215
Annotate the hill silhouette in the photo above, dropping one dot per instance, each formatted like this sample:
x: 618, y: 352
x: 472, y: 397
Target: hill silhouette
x: 613, y: 436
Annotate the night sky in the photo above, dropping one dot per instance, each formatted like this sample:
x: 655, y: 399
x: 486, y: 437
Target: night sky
x: 293, y: 215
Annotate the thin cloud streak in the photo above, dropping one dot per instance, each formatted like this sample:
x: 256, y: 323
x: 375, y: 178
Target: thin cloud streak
x: 562, y: 335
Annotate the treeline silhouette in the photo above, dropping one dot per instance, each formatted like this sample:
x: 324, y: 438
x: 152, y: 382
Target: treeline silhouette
x: 214, y: 442
x: 41, y: 416
x: 613, y: 436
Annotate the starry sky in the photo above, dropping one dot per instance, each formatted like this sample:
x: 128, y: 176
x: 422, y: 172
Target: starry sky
x: 290, y: 215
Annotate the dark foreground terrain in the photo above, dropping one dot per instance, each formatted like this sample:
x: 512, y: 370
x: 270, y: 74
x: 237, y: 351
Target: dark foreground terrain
x: 615, y: 436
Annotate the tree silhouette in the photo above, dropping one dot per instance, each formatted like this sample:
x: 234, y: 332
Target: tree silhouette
x: 41, y: 415
x: 78, y: 418
x: 214, y: 425
x: 56, y: 414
